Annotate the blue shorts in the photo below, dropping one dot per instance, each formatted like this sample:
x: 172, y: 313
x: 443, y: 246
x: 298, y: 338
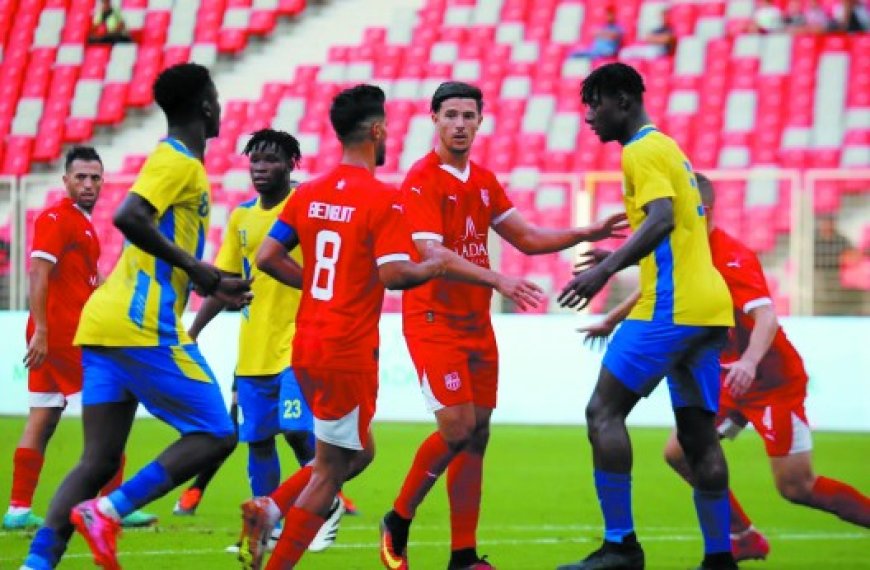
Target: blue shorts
x: 641, y: 353
x: 174, y: 383
x: 269, y: 405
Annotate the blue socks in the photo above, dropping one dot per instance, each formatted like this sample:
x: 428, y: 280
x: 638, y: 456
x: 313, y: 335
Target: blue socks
x: 714, y: 514
x: 614, y: 496
x: 148, y: 484
x: 45, y: 550
x: 264, y: 468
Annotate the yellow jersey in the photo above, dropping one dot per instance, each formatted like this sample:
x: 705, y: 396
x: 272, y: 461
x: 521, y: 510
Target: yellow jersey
x: 269, y: 322
x: 679, y: 283
x: 141, y: 302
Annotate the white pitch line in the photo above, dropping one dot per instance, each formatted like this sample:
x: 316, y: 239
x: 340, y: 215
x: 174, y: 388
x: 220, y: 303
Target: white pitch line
x: 796, y: 537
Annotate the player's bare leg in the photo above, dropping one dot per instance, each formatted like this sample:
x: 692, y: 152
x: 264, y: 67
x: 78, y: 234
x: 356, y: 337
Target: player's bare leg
x: 609, y: 406
x: 797, y: 483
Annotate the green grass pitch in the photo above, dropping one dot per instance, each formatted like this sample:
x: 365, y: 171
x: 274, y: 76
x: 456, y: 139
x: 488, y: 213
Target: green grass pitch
x: 539, y: 506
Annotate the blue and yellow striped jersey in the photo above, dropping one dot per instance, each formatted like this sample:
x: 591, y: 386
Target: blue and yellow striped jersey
x: 141, y: 302
x: 269, y: 322
x: 679, y: 283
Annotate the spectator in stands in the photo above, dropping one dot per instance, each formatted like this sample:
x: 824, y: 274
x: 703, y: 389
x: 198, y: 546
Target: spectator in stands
x: 660, y: 42
x: 608, y: 40
x: 831, y: 251
x: 767, y: 18
x: 814, y: 21
x: 108, y: 26
x: 852, y: 16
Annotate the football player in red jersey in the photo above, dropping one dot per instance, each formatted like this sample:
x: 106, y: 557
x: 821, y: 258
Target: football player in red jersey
x: 763, y: 383
x: 354, y: 242
x: 63, y: 274
x: 451, y: 203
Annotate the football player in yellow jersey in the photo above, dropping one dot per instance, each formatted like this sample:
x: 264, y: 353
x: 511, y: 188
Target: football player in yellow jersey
x: 134, y: 348
x: 676, y: 330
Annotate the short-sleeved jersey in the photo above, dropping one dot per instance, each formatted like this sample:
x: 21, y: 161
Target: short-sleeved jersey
x: 457, y: 209
x: 782, y: 366
x: 678, y: 281
x: 269, y: 322
x: 64, y: 235
x: 348, y: 224
x: 141, y: 302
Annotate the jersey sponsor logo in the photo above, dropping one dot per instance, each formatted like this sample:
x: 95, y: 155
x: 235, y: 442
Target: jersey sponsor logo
x: 330, y: 212
x: 484, y: 196
x: 472, y: 245
x: 452, y: 381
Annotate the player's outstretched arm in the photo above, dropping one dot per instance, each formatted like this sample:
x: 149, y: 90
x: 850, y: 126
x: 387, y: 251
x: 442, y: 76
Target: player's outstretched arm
x: 207, y: 312
x: 273, y: 260
x: 521, y: 291
x: 742, y: 372
x: 659, y: 223
x: 533, y: 240
x: 135, y: 218
x: 37, y: 348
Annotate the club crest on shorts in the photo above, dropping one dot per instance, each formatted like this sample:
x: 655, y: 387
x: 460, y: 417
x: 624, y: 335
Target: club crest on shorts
x: 452, y: 381
x: 484, y: 196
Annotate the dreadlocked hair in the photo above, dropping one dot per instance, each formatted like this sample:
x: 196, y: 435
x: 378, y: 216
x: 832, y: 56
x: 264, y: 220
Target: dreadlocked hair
x: 284, y: 141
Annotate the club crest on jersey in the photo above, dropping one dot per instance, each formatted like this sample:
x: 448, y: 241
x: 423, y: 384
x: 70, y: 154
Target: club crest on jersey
x: 452, y: 381
x: 484, y: 196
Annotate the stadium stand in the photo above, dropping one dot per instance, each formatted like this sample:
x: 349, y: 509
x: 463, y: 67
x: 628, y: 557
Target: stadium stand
x: 732, y: 100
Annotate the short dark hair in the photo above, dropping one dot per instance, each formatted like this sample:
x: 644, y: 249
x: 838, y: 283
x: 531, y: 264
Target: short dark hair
x: 352, y: 107
x: 456, y: 89
x: 705, y: 187
x: 180, y: 89
x: 610, y: 79
x: 87, y: 153
x: 283, y: 140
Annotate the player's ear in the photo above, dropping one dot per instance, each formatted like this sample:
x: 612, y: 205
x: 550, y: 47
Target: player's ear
x: 623, y: 100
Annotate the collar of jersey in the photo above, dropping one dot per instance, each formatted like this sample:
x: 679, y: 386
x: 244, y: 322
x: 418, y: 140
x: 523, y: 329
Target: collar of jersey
x: 642, y: 132
x: 462, y: 175
x: 178, y: 145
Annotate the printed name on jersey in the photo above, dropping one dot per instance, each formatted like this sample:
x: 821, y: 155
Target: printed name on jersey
x: 330, y: 212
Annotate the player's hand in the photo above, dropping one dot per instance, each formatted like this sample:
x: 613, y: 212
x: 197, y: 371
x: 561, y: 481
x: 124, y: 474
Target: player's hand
x: 37, y: 349
x: 590, y: 259
x: 583, y: 287
x: 740, y: 375
x: 525, y: 294
x: 597, y: 334
x: 614, y: 226
x: 436, y: 256
x: 234, y: 292
x: 205, y: 278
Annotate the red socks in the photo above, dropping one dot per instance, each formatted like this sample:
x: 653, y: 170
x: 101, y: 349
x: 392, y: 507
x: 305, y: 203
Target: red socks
x: 285, y: 495
x: 116, y: 479
x: 464, y: 479
x: 431, y: 459
x: 25, y: 475
x: 739, y: 521
x: 300, y: 527
x: 842, y: 500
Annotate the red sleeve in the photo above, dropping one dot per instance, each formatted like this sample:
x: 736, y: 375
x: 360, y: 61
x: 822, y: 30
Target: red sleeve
x: 288, y: 214
x: 390, y: 230
x: 48, y: 236
x: 745, y: 279
x: 501, y: 204
x: 422, y: 201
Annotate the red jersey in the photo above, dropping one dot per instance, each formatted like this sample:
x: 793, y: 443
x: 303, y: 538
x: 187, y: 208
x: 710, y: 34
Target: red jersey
x: 457, y: 209
x: 782, y: 367
x: 64, y: 235
x: 348, y: 223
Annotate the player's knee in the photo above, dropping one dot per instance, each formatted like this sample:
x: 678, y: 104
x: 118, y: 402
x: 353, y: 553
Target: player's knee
x: 797, y: 491
x: 711, y: 474
x: 225, y: 445
x: 457, y: 435
x: 264, y: 447
x: 360, y: 461
x: 598, y: 419
x: 673, y: 455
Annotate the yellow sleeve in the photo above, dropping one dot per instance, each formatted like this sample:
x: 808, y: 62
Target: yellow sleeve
x: 163, y: 180
x: 229, y: 257
x: 649, y: 177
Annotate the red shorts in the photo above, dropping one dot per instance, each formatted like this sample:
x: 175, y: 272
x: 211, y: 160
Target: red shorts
x: 57, y: 378
x: 456, y: 367
x: 343, y: 404
x: 781, y: 423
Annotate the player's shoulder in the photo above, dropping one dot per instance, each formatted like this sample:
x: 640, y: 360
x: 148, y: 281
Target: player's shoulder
x: 729, y: 250
x: 481, y: 172
x: 426, y: 166
x: 55, y: 212
x: 170, y: 154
